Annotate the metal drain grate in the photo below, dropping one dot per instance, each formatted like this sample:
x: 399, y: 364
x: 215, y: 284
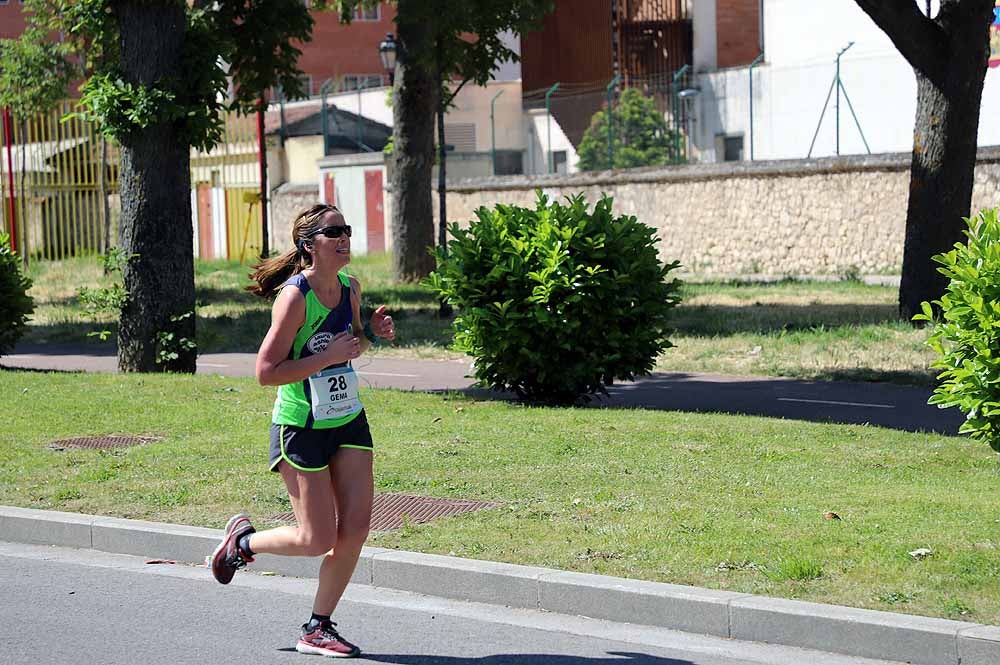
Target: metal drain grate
x: 388, y: 510
x: 95, y: 442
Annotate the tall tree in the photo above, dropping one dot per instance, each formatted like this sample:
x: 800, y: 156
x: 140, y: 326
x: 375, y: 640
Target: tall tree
x: 949, y: 55
x: 414, y: 103
x: 155, y: 77
x: 639, y: 135
x: 443, y: 45
x: 467, y: 45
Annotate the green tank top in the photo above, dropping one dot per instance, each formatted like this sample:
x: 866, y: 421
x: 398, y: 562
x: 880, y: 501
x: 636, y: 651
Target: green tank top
x: 293, y: 404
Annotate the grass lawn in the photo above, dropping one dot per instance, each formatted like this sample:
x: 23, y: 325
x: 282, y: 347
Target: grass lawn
x: 812, y: 330
x: 815, y: 330
x: 229, y: 318
x: 719, y: 501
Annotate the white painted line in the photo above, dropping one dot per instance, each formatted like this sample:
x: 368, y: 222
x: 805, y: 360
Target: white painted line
x: 826, y: 401
x: 405, y: 376
x: 201, y: 364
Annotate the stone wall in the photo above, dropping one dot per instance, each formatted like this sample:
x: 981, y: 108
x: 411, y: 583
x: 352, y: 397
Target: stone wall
x: 835, y: 216
x: 287, y: 201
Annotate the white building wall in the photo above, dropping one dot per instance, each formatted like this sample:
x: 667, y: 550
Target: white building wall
x: 545, y: 134
x: 370, y: 102
x: 350, y: 195
x: 349, y: 184
x: 472, y: 106
x: 705, y: 47
x: 801, y: 44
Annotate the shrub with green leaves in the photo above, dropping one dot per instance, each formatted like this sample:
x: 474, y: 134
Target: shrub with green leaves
x: 557, y: 302
x: 967, y: 336
x: 106, y: 300
x: 639, y: 136
x: 17, y: 304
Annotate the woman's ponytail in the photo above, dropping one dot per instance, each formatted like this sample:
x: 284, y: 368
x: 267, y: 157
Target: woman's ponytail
x: 270, y: 274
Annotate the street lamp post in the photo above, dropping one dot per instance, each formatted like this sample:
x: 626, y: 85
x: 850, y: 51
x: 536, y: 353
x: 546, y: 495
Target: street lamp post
x: 611, y: 145
x: 685, y: 96
x: 324, y: 117
x: 387, y: 51
x: 548, y: 130
x: 677, y: 119
x: 753, y: 64
x: 493, y: 134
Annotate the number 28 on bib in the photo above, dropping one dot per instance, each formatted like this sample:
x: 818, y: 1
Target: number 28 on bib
x: 334, y: 393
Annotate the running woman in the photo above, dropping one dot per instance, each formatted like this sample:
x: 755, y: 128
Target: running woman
x: 320, y: 441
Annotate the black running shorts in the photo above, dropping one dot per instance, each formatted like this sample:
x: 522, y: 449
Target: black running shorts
x: 311, y: 449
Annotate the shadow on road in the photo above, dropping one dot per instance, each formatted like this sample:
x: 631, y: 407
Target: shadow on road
x: 902, y: 408
x: 615, y: 658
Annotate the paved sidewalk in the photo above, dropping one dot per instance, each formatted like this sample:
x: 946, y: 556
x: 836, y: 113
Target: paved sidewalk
x: 744, y: 617
x: 885, y: 405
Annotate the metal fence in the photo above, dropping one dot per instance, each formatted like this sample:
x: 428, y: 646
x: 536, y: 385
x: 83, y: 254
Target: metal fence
x: 59, y: 189
x: 574, y: 106
x: 59, y: 186
x: 226, y: 194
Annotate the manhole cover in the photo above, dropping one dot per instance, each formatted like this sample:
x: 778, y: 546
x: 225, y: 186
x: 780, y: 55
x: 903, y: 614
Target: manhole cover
x: 102, y: 442
x: 388, y: 510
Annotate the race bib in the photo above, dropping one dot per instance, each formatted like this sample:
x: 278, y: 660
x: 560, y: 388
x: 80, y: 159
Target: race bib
x: 334, y: 393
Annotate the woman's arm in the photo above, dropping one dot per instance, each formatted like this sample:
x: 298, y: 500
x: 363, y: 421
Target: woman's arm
x: 287, y: 316
x: 381, y: 323
x: 357, y: 327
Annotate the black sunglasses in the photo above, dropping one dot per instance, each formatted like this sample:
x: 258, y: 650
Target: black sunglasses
x: 333, y: 231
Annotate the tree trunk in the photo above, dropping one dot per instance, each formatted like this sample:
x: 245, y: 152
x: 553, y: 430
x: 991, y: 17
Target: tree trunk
x: 156, y: 231
x: 944, y: 159
x: 414, y: 104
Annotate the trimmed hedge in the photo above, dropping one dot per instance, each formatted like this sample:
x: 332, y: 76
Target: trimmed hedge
x: 967, y: 336
x: 557, y: 302
x: 17, y: 304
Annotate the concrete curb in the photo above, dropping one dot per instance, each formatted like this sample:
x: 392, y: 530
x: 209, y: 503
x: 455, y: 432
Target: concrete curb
x: 846, y: 630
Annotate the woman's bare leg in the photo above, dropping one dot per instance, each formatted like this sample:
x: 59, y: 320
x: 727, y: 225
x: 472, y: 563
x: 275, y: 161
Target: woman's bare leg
x: 315, y: 508
x: 353, y: 489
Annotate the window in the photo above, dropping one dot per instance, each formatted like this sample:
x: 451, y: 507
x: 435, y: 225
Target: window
x: 361, y: 81
x: 460, y: 136
x: 509, y: 162
x: 729, y: 148
x: 733, y: 149
x: 370, y: 14
x: 559, y: 161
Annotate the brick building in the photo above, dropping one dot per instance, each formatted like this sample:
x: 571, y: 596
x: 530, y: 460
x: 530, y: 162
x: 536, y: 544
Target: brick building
x: 737, y: 30
x: 347, y: 54
x: 583, y: 44
x: 11, y: 18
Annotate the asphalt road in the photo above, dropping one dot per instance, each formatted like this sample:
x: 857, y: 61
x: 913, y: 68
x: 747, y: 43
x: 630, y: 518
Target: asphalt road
x: 64, y: 606
x: 879, y: 404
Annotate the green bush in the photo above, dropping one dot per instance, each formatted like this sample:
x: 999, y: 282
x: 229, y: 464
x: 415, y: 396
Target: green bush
x: 967, y: 337
x: 639, y: 136
x: 557, y: 302
x: 17, y: 304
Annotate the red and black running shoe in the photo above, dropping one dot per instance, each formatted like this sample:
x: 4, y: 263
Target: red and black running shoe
x: 324, y: 640
x: 228, y: 557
